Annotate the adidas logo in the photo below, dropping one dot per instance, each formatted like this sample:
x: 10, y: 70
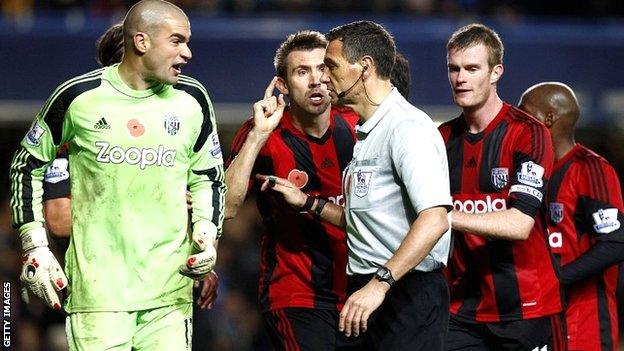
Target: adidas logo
x: 102, y: 124
x: 327, y: 163
x: 472, y: 163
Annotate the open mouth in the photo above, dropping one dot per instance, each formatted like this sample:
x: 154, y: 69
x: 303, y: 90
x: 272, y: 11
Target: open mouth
x: 316, y: 98
x: 177, y: 68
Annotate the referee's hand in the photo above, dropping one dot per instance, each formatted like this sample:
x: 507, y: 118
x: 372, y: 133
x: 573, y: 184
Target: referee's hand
x: 360, y: 305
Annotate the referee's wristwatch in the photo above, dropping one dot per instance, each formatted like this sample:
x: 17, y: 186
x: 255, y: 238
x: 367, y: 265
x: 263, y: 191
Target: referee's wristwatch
x: 383, y: 274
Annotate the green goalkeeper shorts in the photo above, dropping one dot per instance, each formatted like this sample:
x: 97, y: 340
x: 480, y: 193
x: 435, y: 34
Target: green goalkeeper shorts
x: 164, y: 328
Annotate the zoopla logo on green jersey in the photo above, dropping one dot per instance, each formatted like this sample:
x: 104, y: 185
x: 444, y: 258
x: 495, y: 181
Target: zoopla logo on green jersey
x: 134, y: 156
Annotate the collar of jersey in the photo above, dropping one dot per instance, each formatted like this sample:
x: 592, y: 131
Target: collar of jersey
x: 119, y: 85
x: 379, y: 114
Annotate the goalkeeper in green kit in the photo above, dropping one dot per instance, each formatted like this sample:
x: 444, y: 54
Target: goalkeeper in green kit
x: 138, y: 133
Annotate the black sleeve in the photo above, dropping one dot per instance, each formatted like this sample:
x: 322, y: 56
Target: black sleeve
x: 601, y: 256
x: 56, y: 179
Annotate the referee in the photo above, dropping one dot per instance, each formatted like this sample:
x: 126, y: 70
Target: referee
x: 397, y: 196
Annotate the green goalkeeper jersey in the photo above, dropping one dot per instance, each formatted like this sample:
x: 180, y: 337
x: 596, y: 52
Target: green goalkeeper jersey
x: 132, y: 155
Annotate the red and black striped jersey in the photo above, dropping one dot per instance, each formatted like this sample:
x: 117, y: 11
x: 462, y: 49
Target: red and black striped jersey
x: 585, y: 207
x: 303, y: 260
x: 507, y: 165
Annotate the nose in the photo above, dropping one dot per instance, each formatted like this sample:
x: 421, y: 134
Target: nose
x: 186, y: 52
x: 315, y: 78
x: 461, y: 76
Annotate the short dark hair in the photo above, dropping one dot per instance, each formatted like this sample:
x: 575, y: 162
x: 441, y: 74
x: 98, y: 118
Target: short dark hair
x: 363, y: 38
x: 306, y: 40
x: 474, y: 34
x: 110, y: 46
x: 400, y: 77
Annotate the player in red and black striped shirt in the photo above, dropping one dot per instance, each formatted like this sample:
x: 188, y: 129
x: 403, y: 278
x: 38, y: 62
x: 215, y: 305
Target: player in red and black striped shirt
x: 504, y: 290
x: 585, y: 216
x: 303, y: 260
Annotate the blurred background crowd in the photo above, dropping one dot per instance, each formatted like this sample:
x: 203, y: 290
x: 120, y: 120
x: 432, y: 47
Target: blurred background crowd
x: 44, y: 42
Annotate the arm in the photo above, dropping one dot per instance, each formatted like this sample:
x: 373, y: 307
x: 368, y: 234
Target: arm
x: 56, y: 197
x: 532, y: 165
x: 603, y: 217
x: 207, y: 187
x: 58, y: 216
x: 41, y: 273
x: 511, y: 224
x: 296, y: 198
x: 267, y: 114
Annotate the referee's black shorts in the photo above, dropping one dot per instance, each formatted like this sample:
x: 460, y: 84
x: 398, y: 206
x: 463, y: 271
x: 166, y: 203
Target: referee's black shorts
x: 293, y: 329
x: 413, y: 316
x: 545, y: 333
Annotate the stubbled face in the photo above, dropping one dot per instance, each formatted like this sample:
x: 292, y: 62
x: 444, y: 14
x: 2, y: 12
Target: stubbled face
x: 340, y: 75
x: 168, y: 50
x: 471, y: 78
x: 303, y: 81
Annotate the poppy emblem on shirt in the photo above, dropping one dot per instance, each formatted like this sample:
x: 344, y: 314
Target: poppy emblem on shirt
x: 500, y: 177
x: 135, y: 127
x: 362, y: 183
x: 556, y: 212
x: 298, y: 178
x: 172, y: 125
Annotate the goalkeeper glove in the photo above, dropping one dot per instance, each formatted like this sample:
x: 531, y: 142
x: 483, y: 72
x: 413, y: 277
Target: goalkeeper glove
x: 203, y: 254
x: 41, y: 273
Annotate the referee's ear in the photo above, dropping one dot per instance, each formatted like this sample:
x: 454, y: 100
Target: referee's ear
x: 280, y: 84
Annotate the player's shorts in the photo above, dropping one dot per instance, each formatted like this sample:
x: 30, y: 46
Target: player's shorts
x: 304, y: 329
x: 165, y: 328
x: 537, y: 334
x: 413, y: 316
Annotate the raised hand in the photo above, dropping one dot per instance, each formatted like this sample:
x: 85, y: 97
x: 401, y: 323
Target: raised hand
x: 268, y: 111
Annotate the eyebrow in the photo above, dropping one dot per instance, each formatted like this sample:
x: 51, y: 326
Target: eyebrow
x: 328, y: 60
x: 179, y: 36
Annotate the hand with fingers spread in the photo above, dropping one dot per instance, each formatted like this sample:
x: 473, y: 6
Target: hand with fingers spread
x: 359, y: 306
x: 268, y: 111
x: 292, y: 195
x: 208, y: 293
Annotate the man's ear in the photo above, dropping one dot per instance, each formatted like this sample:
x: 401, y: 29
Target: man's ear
x: 496, y: 73
x: 368, y: 64
x: 280, y: 84
x: 549, y: 119
x: 141, y: 42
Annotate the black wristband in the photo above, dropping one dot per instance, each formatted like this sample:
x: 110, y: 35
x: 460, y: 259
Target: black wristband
x: 319, y: 206
x: 309, y: 203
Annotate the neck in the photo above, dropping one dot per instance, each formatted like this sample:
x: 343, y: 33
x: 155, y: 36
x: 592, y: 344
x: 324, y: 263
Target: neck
x: 130, y: 73
x: 562, y: 144
x: 370, y: 97
x: 479, y: 117
x: 310, y: 124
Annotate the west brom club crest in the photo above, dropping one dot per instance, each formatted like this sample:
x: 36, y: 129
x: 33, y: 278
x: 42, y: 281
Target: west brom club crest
x: 556, y: 212
x: 172, y: 124
x: 500, y: 177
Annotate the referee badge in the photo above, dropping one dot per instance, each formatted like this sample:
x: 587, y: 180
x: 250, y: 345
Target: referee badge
x: 500, y: 177
x: 556, y: 212
x: 362, y: 183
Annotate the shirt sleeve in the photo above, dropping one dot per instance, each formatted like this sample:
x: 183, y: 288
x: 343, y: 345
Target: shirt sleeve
x: 419, y: 159
x: 206, y: 172
x: 533, y: 159
x: 38, y: 148
x: 600, y: 210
